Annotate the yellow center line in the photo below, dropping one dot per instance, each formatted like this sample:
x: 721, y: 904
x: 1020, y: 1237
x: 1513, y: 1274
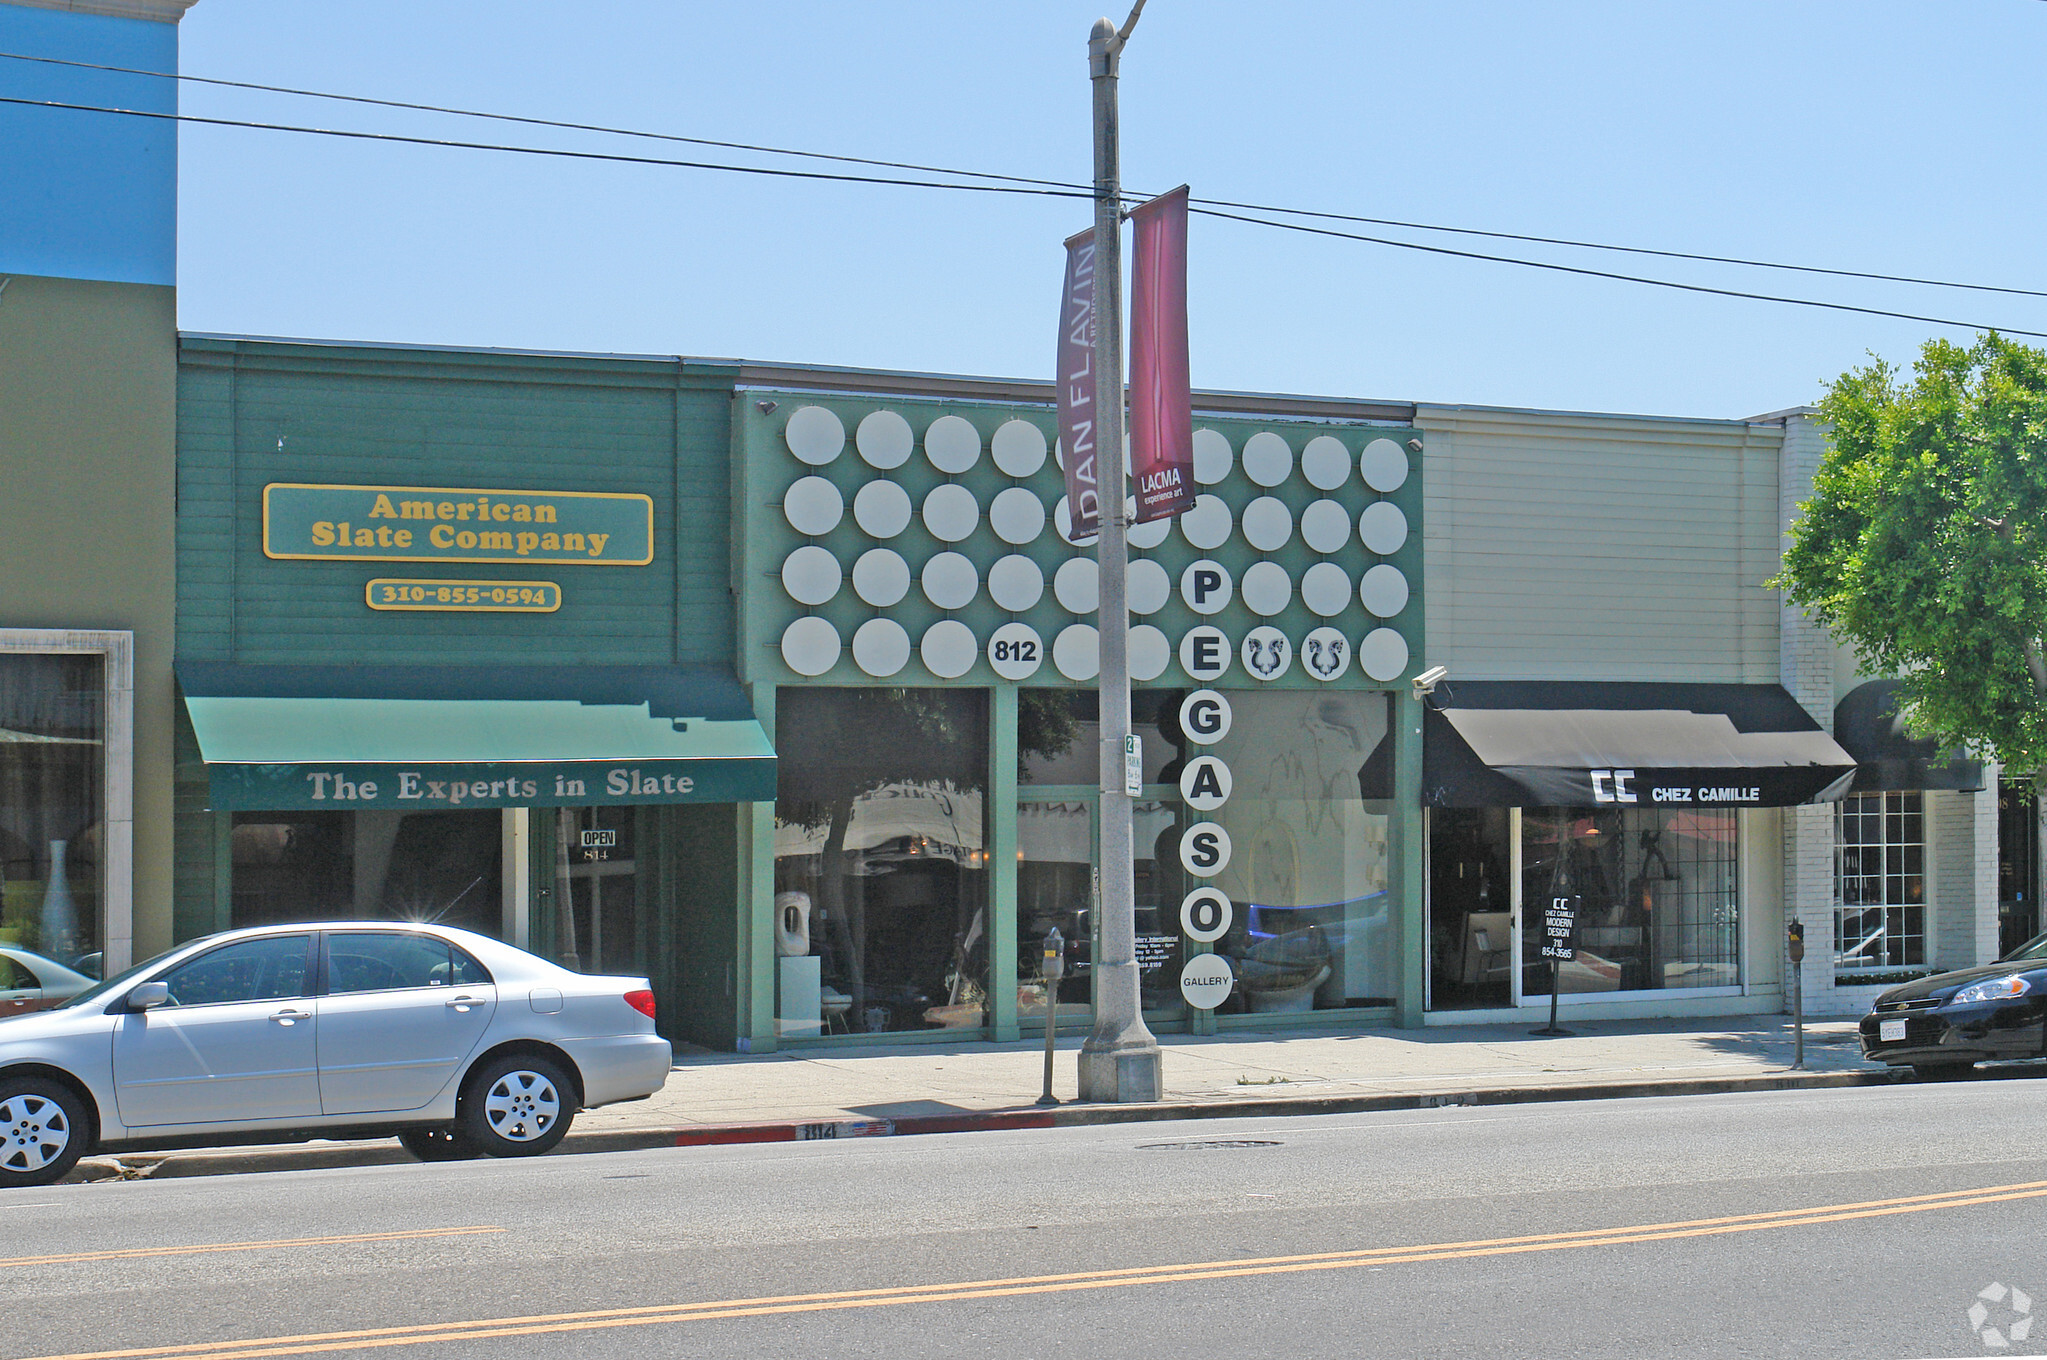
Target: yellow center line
x: 263, y: 1348
x: 197, y: 1249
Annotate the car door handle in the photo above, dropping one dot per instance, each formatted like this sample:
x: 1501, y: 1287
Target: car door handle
x: 289, y: 1017
x: 462, y: 1003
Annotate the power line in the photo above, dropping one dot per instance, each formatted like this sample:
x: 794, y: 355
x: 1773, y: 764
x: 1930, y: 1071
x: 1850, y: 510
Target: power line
x: 995, y: 189
x: 1019, y: 179
x: 1606, y: 274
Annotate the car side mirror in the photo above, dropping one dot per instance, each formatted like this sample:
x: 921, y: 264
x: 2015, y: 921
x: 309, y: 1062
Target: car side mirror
x: 148, y: 996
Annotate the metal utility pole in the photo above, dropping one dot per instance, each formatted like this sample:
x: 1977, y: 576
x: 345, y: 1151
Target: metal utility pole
x: 1120, y: 1060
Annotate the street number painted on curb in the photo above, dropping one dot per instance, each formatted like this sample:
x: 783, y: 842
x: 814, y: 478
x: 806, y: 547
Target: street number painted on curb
x: 1207, y: 981
x: 1205, y: 717
x: 1205, y: 784
x: 1206, y: 914
x: 1205, y: 850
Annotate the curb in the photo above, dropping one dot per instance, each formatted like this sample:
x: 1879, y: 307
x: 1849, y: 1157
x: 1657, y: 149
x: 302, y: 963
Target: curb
x: 383, y: 1152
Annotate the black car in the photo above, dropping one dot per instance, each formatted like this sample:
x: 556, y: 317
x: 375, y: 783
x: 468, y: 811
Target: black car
x: 1944, y: 1024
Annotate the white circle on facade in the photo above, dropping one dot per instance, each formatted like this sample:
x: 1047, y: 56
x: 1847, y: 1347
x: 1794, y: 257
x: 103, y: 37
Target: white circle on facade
x: 1325, y: 526
x: 1325, y: 588
x: 1146, y: 652
x: 881, y: 577
x: 884, y: 440
x: 810, y: 646
x: 951, y: 512
x: 1325, y: 654
x: 1015, y: 651
x: 816, y: 436
x: 1383, y: 654
x: 1267, y: 589
x: 813, y: 506
x: 949, y: 649
x: 1267, y: 652
x: 1206, y: 981
x: 1205, y: 849
x: 1077, y: 585
x: 1018, y: 448
x: 881, y: 647
x: 1382, y: 528
x: 1062, y: 520
x: 1325, y: 462
x: 811, y: 575
x: 1383, y: 590
x: 1268, y: 524
x: 1205, y: 717
x: 1016, y: 515
x: 1077, y: 652
x: 1384, y: 465
x: 1147, y: 535
x: 1206, y: 586
x: 952, y: 444
x: 950, y: 580
x: 1146, y: 587
x: 1206, y: 914
x: 1015, y: 583
x: 1267, y: 459
x: 1205, y: 783
x: 881, y: 509
x: 1207, y: 526
x: 1204, y: 652
x: 1212, y: 456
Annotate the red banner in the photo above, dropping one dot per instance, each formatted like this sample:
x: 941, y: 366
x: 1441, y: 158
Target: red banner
x: 1161, y: 408
x: 1076, y: 379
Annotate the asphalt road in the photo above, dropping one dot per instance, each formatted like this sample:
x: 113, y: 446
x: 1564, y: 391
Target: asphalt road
x: 1811, y: 1224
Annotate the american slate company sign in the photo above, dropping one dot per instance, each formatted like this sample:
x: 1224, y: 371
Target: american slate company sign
x: 1560, y: 929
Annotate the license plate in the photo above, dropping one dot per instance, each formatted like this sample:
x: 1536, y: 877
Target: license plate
x: 1890, y: 1031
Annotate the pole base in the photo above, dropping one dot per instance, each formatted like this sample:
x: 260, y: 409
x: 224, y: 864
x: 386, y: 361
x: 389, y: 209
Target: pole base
x: 1047, y: 1100
x: 1121, y: 1077
x: 1551, y: 1032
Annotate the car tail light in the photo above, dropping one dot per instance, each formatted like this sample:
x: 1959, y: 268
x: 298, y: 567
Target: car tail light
x: 641, y: 1001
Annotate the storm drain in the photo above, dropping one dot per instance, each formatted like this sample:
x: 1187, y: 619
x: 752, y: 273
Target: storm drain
x: 1210, y: 1143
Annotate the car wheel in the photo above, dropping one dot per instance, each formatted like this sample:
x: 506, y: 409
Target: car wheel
x: 516, y: 1106
x: 1945, y: 1071
x: 442, y: 1144
x: 42, y: 1131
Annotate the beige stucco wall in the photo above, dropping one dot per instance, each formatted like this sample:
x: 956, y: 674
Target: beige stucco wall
x: 88, y: 415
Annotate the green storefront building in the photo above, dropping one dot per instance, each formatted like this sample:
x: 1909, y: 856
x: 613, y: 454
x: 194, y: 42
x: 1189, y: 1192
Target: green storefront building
x: 776, y: 684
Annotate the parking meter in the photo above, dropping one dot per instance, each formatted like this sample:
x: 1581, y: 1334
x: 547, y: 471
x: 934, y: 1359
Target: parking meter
x: 1053, y: 968
x: 1795, y: 934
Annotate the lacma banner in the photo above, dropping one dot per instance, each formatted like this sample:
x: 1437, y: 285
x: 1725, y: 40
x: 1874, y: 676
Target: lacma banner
x: 1161, y: 408
x: 1076, y: 379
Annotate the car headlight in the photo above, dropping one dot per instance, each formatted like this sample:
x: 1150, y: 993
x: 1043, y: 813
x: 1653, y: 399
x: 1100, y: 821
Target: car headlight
x: 1995, y: 989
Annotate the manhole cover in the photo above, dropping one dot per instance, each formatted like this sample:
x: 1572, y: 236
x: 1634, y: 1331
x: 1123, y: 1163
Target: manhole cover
x: 1210, y: 1143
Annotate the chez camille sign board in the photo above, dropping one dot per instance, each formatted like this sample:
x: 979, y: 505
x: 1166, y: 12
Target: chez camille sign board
x: 325, y: 523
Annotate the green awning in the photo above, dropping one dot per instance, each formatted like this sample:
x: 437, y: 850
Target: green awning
x: 432, y: 738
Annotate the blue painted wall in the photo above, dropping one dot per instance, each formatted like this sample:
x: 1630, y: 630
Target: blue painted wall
x: 88, y: 195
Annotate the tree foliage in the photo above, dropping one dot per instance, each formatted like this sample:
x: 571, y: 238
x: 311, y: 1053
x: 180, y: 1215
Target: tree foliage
x: 1925, y: 542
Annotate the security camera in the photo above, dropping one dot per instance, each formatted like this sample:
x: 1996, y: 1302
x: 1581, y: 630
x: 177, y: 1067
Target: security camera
x: 1426, y: 682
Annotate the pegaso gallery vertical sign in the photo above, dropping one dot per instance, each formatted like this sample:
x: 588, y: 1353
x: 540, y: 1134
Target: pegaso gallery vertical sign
x: 1076, y: 381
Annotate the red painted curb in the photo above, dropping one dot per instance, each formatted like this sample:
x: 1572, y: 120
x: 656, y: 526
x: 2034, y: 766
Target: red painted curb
x: 716, y: 1135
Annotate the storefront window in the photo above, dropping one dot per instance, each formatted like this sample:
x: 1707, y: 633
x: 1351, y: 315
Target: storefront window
x: 441, y: 867
x: 1658, y: 901
x: 1307, y: 873
x: 52, y: 777
x: 1471, y: 907
x: 881, y: 860
x: 1880, y: 878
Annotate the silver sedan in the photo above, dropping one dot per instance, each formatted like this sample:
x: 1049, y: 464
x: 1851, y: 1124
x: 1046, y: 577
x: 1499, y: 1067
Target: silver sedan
x: 459, y: 1045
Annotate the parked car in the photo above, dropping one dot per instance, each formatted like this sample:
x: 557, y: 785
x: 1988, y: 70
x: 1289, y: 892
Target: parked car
x: 459, y: 1045
x: 30, y: 982
x: 1944, y: 1024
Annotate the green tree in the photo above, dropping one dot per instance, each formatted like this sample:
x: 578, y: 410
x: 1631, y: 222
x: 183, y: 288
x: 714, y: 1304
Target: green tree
x: 1925, y: 542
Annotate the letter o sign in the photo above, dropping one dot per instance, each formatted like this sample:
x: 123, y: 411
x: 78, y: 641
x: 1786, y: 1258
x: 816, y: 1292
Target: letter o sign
x: 1205, y: 784
x: 1205, y: 850
x: 1206, y: 914
x: 1205, y: 717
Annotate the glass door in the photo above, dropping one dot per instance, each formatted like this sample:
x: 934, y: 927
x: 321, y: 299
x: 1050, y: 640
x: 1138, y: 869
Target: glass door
x: 597, y: 919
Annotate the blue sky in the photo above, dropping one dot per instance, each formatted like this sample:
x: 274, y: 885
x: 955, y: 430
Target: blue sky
x: 1895, y: 137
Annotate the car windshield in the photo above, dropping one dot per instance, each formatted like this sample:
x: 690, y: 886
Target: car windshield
x: 2035, y: 948
x: 92, y: 994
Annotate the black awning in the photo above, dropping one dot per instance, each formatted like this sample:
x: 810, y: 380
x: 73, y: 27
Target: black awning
x: 1554, y: 743
x: 1870, y: 728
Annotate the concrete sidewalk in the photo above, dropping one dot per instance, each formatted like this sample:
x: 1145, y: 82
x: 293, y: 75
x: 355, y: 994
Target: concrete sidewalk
x: 870, y: 1089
